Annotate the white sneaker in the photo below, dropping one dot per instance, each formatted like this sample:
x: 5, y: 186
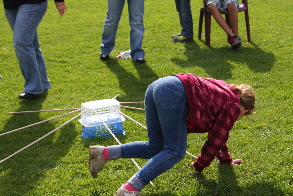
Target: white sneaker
x: 123, y: 192
x: 96, y: 160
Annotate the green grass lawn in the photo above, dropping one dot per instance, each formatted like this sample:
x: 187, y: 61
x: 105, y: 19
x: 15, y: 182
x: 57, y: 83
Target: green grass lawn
x: 57, y: 165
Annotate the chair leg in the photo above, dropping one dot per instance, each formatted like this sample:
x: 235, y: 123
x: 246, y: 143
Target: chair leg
x: 201, y: 14
x: 207, y: 28
x: 247, y: 25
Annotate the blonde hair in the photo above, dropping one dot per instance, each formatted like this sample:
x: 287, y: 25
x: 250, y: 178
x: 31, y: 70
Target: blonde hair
x: 247, y: 97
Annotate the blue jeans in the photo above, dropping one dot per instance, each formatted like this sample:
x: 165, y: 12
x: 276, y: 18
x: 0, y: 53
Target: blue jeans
x: 184, y: 10
x: 166, y: 112
x: 24, y: 22
x: 136, y: 11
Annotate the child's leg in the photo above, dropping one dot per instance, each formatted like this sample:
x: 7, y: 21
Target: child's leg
x: 233, y: 17
x: 219, y: 19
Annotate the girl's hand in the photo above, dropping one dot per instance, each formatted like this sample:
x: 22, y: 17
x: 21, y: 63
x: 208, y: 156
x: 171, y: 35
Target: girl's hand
x: 236, y: 161
x: 193, y: 168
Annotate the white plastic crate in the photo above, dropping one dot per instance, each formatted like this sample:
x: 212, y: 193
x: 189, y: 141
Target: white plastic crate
x: 106, y: 110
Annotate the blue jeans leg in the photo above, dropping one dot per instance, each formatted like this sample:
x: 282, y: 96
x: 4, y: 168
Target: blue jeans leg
x: 114, y: 12
x: 185, y: 16
x: 24, y: 22
x: 136, y: 11
x: 166, y: 112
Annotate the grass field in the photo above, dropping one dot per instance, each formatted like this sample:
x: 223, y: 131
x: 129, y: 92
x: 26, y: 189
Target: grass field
x: 57, y: 165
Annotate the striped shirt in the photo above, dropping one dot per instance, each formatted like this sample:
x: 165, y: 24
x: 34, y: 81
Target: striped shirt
x: 214, y: 106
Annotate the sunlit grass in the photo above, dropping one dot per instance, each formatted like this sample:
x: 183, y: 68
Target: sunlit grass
x: 57, y: 165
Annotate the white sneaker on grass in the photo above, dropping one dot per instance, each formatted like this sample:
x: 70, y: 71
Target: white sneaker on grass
x: 123, y: 192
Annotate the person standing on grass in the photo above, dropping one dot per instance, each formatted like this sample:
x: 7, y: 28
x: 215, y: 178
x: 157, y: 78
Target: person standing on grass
x: 185, y: 17
x: 230, y: 7
x: 175, y: 106
x: 136, y: 11
x: 24, y: 17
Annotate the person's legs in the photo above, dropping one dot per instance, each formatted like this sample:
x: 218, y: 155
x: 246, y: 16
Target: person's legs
x: 230, y: 7
x: 185, y: 16
x: 143, y: 149
x: 136, y: 12
x: 233, y: 15
x: 24, y: 22
x: 166, y: 112
x: 139, y: 149
x: 114, y: 12
x: 214, y: 7
x: 41, y: 62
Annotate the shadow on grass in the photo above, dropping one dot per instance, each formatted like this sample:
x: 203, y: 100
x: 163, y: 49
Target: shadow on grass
x: 218, y: 63
x: 227, y: 185
x: 20, y: 173
x: 130, y: 84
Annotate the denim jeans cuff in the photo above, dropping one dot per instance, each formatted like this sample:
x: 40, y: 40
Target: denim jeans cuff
x: 136, y: 182
x: 114, y: 152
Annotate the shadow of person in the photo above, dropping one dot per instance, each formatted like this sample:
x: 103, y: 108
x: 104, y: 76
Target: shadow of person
x: 132, y: 85
x: 218, y: 63
x: 21, y: 172
x: 227, y: 185
x: 228, y: 179
x: 206, y: 186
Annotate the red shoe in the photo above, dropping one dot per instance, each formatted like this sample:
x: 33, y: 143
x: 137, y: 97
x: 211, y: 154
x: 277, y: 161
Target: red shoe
x: 235, y: 42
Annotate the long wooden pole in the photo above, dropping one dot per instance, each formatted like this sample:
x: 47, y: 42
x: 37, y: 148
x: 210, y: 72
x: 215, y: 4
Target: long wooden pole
x: 21, y: 112
x: 41, y: 138
x: 39, y: 122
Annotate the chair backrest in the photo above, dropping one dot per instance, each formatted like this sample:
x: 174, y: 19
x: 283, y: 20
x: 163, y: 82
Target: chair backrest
x: 243, y: 6
x: 204, y: 4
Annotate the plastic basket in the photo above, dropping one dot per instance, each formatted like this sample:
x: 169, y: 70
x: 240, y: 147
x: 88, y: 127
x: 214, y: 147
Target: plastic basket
x: 99, y: 111
x: 102, y: 131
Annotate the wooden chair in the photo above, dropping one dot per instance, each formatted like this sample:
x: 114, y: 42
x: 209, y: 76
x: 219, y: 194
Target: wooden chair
x: 243, y: 7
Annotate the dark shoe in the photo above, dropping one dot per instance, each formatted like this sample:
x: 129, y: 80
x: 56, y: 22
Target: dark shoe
x: 140, y: 60
x: 26, y: 96
x: 182, y: 39
x: 235, y: 42
x: 104, y: 57
x: 176, y: 35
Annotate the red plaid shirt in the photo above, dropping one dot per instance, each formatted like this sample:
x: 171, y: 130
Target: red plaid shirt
x: 214, y: 106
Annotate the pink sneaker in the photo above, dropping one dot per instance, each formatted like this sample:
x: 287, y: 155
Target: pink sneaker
x: 123, y: 192
x: 96, y: 160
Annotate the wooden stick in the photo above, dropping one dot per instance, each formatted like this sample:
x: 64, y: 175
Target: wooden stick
x: 191, y: 155
x: 131, y: 102
x: 41, y: 138
x: 21, y: 112
x: 39, y: 122
x: 131, y: 119
x: 131, y: 107
x: 115, y: 96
